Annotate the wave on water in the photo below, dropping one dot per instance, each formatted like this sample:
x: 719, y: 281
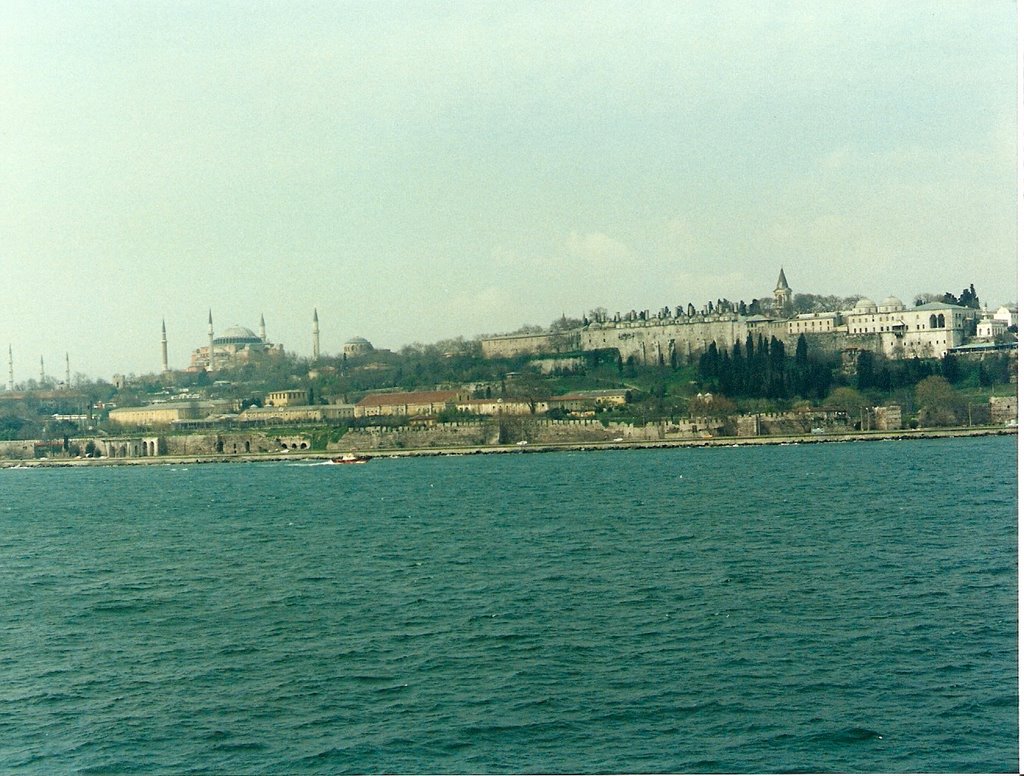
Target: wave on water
x: 782, y: 611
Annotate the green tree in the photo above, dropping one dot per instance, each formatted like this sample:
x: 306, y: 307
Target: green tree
x: 849, y: 400
x: 938, y: 403
x: 950, y: 368
x: 865, y: 370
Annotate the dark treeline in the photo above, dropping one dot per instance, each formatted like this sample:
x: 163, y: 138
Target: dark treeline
x: 880, y: 374
x: 763, y: 369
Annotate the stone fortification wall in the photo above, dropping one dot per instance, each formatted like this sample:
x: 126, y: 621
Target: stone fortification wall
x: 517, y: 344
x: 653, y: 342
x: 19, y: 449
x: 790, y: 423
x: 398, y: 438
x: 532, y: 430
x: 547, y: 366
x: 887, y: 418
x: 826, y: 343
x: 1002, y: 409
x: 230, y: 443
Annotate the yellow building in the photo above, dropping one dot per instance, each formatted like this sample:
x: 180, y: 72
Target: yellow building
x: 166, y: 414
x: 407, y: 404
x: 290, y: 398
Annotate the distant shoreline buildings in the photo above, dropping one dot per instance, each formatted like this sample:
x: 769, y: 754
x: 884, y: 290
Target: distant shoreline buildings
x: 889, y: 329
x: 239, y: 345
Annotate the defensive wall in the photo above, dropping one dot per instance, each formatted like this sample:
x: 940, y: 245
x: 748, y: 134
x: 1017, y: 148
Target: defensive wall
x: 657, y: 341
x: 509, y: 345
x: 150, y: 445
x: 495, y: 431
x: 518, y: 429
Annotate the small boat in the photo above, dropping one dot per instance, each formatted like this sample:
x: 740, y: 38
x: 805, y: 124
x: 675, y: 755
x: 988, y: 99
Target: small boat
x: 351, y: 458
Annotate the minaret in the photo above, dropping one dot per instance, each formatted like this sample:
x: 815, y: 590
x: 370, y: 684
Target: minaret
x: 209, y: 330
x: 10, y: 368
x: 42, y: 372
x: 163, y: 343
x: 316, y: 336
x: 67, y: 371
x: 263, y: 328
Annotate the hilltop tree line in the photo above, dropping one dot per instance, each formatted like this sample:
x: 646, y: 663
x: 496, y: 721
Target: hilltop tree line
x: 763, y: 369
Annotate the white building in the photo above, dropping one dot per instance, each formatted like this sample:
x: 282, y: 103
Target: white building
x: 990, y: 328
x: 813, y: 323
x: 1007, y: 314
x: 926, y: 331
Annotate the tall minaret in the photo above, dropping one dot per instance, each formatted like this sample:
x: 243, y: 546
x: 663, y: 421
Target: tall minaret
x: 10, y: 368
x: 42, y: 373
x: 316, y: 336
x: 263, y: 328
x: 67, y: 371
x: 209, y: 330
x: 163, y: 343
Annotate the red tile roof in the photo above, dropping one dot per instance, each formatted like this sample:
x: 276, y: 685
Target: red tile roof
x: 413, y: 397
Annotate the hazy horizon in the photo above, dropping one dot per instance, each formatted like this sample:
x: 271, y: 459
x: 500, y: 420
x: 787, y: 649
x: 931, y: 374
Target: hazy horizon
x: 420, y: 171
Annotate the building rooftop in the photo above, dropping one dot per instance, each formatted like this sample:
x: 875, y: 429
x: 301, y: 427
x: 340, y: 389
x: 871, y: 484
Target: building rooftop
x: 413, y: 397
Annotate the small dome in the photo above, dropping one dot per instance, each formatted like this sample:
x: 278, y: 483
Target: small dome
x: 237, y: 335
x: 357, y: 341
x: 865, y: 305
x: 891, y: 304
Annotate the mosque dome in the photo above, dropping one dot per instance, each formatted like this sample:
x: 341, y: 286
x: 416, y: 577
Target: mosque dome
x: 237, y: 335
x: 891, y: 304
x: 357, y: 346
x: 865, y: 305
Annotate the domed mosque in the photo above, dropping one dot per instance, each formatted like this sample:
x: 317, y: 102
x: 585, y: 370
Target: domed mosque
x: 865, y: 305
x: 357, y: 346
x: 236, y: 345
x: 891, y: 305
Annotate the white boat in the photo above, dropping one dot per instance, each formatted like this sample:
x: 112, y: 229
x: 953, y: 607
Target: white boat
x: 350, y: 458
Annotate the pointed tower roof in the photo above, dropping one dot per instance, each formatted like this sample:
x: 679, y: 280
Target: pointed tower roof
x: 782, y: 284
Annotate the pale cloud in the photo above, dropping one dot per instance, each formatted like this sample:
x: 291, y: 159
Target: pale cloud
x: 598, y: 249
x: 423, y: 170
x: 700, y: 287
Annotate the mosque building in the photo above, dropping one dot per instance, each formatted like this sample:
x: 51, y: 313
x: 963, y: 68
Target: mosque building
x: 239, y: 345
x: 234, y: 346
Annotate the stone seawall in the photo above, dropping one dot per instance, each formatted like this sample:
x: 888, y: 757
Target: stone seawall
x: 515, y: 430
x: 403, y: 438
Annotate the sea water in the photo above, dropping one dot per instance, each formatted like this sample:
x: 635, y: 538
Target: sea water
x: 827, y: 607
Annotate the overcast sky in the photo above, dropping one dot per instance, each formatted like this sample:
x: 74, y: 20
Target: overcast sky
x: 424, y: 170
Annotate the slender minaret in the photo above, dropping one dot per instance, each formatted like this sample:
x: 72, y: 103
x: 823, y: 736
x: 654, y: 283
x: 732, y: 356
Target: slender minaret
x: 209, y: 330
x: 263, y: 328
x: 316, y: 336
x: 163, y: 343
x: 42, y: 372
x: 67, y: 371
x: 10, y: 368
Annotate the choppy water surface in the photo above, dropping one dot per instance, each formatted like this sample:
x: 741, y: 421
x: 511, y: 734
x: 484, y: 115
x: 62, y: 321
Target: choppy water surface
x: 815, y: 607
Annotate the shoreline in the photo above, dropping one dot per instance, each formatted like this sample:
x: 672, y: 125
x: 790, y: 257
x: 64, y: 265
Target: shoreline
x: 539, y: 447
